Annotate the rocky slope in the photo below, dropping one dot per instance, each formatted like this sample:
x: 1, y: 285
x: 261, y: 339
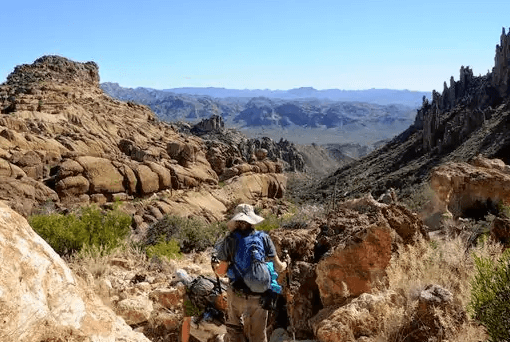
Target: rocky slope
x: 470, y: 117
x: 63, y: 140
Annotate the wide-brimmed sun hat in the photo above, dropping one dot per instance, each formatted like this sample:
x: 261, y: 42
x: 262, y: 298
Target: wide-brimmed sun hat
x: 246, y: 213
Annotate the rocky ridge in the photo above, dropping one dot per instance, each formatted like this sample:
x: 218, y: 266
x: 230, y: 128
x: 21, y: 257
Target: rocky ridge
x: 63, y: 140
x: 469, y: 118
x: 217, y: 137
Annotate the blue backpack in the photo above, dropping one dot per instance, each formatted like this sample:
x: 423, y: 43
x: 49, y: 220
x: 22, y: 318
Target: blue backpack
x: 250, y: 264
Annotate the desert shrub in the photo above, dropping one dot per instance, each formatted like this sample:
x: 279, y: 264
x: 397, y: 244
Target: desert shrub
x: 68, y: 234
x: 441, y: 262
x: 422, y: 199
x: 504, y: 209
x: 192, y: 234
x: 164, y: 249
x: 490, y: 295
x: 270, y: 222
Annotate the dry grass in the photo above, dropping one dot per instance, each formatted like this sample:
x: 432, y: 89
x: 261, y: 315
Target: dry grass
x: 99, y: 265
x: 442, y: 262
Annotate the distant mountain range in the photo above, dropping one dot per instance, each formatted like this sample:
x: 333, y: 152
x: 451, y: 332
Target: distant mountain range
x: 380, y: 112
x: 377, y: 96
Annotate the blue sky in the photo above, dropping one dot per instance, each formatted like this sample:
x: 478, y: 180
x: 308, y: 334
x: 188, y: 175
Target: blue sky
x: 259, y: 44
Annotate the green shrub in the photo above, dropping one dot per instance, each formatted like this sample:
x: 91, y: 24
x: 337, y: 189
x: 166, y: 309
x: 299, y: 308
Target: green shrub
x: 490, y: 295
x: 270, y: 222
x: 165, y: 249
x: 68, y: 234
x: 192, y: 234
x: 504, y: 209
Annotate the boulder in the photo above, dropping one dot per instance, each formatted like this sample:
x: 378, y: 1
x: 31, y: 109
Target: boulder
x: 72, y: 186
x: 134, y: 310
x: 41, y: 299
x: 168, y: 298
x: 356, y: 266
x: 165, y: 178
x: 148, y: 180
x: 183, y: 152
x: 10, y: 170
x: 434, y: 303
x: 102, y: 175
x: 69, y: 167
x: 25, y: 194
x: 130, y: 180
x: 355, y: 245
x: 500, y: 231
x: 363, y: 317
x: 261, y: 154
x: 253, y: 185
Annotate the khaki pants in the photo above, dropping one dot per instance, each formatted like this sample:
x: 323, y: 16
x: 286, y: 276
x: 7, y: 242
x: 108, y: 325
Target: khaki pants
x: 246, y: 321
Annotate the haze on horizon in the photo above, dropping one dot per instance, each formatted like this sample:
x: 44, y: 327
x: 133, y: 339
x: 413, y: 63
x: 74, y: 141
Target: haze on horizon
x: 327, y: 44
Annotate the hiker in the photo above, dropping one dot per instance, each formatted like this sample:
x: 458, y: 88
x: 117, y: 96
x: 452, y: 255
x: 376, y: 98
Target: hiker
x: 242, y: 256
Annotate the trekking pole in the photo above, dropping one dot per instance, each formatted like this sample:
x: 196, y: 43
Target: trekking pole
x: 289, y: 296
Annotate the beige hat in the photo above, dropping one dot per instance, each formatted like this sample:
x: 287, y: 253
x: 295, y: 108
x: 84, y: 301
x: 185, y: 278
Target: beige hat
x: 246, y: 213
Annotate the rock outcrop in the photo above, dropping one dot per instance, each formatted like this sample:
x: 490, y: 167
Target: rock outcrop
x: 441, y: 129
x: 63, y: 140
x: 472, y: 190
x: 41, y: 299
x: 470, y: 117
x: 228, y: 147
x: 434, y: 303
x: 340, y: 258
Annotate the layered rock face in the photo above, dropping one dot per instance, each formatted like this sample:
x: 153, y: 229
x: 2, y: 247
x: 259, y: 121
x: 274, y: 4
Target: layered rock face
x: 63, y: 140
x: 41, y: 300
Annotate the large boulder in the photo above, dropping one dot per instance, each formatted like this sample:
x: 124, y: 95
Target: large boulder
x: 72, y: 186
x: 357, y: 240
x: 102, y: 175
x: 356, y: 265
x: 148, y: 180
x: 40, y: 298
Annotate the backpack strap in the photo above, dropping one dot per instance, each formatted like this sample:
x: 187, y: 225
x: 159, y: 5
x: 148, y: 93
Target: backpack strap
x: 235, y: 243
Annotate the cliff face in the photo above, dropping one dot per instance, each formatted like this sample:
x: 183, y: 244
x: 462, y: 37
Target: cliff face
x: 63, y: 140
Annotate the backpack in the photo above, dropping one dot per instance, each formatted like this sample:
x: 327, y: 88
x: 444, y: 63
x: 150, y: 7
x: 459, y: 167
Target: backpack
x: 249, y: 263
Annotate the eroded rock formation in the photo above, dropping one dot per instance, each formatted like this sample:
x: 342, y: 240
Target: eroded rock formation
x: 63, y: 140
x: 443, y: 130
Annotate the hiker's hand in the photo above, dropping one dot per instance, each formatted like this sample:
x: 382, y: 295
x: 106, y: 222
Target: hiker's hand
x: 284, y: 266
